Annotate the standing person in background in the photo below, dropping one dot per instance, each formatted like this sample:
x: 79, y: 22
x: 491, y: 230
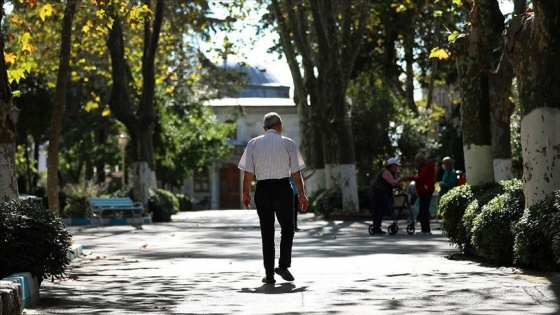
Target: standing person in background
x: 381, y: 192
x: 425, y: 186
x: 449, y: 179
x: 296, y: 202
x: 272, y: 159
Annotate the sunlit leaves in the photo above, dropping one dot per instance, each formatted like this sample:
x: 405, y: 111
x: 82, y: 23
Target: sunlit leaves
x: 45, y: 11
x: 9, y: 58
x: 453, y: 36
x: 440, y: 53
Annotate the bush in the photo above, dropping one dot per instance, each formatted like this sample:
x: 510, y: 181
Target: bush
x: 482, y: 195
x: 186, y: 203
x: 536, y: 235
x: 32, y: 240
x: 459, y: 207
x: 328, y: 202
x: 492, y: 234
x: 77, y: 199
x: 162, y: 205
x: 451, y: 210
x: 311, y: 200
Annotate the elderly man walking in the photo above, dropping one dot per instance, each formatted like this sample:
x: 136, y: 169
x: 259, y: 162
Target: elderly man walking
x: 273, y: 159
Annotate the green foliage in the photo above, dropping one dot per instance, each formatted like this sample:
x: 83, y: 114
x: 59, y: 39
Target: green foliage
x: 311, y: 200
x: 482, y: 194
x: 327, y: 202
x: 162, y: 203
x: 459, y: 207
x: 537, y: 235
x: 186, y: 203
x: 77, y: 195
x: 32, y: 240
x: 492, y: 234
x: 451, y: 210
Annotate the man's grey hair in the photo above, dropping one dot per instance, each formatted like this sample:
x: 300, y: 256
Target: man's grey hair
x: 271, y: 120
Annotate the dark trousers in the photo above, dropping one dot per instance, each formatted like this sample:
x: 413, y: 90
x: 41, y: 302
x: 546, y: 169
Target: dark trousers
x: 424, y: 201
x: 379, y: 203
x: 275, y: 197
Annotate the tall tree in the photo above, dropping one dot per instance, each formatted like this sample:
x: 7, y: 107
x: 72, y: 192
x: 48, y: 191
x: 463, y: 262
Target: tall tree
x: 472, y: 53
x: 501, y: 106
x: 140, y: 122
x: 59, y: 105
x: 327, y: 36
x: 534, y: 51
x: 8, y: 177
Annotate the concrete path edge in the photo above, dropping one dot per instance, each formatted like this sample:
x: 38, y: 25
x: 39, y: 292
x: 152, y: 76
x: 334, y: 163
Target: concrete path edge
x: 22, y: 289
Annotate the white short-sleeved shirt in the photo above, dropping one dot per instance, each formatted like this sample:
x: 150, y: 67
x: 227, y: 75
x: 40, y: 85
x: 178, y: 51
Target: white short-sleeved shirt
x: 271, y: 156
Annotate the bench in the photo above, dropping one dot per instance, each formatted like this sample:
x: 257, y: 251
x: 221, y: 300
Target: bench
x: 100, y: 205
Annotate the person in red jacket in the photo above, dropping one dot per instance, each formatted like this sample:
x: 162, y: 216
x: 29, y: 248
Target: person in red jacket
x: 425, y: 186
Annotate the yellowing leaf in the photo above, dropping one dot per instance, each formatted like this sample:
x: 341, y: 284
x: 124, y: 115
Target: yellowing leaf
x: 16, y: 75
x: 170, y: 89
x: 15, y: 20
x: 45, y: 11
x: 91, y: 105
x: 9, y: 58
x: 106, y: 112
x: 87, y: 27
x: 439, y: 53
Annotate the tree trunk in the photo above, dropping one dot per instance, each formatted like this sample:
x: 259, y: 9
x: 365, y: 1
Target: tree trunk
x: 472, y: 57
x: 59, y: 105
x: 140, y: 124
x: 501, y: 110
x: 534, y: 52
x: 8, y: 177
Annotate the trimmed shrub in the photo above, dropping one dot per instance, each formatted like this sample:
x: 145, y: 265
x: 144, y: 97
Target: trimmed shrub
x: 451, y: 210
x: 327, y: 202
x: 32, y: 239
x: 162, y: 204
x: 536, y: 235
x: 492, y: 234
x: 186, y: 203
x: 459, y: 207
x: 311, y: 208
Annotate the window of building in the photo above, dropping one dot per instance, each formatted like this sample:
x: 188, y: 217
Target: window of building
x: 202, y: 181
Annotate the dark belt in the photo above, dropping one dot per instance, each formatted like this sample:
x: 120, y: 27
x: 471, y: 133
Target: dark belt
x: 274, y: 180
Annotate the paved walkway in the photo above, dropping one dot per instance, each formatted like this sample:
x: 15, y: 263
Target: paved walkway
x: 209, y: 262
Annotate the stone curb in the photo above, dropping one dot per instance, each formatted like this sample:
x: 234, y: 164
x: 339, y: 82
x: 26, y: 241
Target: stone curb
x: 106, y: 221
x: 21, y: 290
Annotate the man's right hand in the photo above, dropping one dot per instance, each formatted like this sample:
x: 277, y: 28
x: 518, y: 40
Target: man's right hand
x: 247, y: 201
x: 302, y: 200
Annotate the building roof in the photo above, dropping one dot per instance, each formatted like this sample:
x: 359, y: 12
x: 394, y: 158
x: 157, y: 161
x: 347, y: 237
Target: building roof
x: 260, y: 82
x: 252, y: 101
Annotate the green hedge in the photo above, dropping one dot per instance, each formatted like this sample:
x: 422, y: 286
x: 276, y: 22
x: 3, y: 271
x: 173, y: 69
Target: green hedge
x: 32, y: 239
x: 459, y: 207
x: 162, y: 204
x: 537, y: 235
x: 492, y: 235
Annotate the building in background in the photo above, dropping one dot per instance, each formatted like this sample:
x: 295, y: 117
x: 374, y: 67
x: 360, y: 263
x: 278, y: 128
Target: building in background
x: 220, y: 186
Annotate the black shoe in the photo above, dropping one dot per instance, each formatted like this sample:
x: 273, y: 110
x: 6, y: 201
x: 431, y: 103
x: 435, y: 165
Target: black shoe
x: 379, y: 231
x: 268, y: 279
x: 284, y: 273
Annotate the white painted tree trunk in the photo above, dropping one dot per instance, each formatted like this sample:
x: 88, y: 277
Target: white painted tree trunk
x: 479, y: 166
x: 349, y: 187
x: 502, y: 169
x: 315, y: 183
x: 332, y: 176
x: 142, y: 181
x: 8, y: 178
x: 540, y: 146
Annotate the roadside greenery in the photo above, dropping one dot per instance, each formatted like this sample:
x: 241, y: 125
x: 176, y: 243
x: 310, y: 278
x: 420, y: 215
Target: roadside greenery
x: 32, y: 239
